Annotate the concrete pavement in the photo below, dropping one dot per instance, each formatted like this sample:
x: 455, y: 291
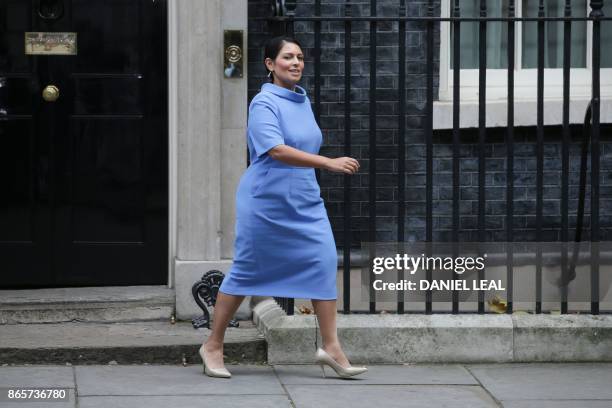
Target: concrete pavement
x: 515, y: 385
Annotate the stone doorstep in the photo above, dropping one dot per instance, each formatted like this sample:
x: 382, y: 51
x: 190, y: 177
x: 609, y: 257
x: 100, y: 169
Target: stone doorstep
x: 101, y: 325
x: 86, y: 304
x: 440, y: 338
x: 123, y: 343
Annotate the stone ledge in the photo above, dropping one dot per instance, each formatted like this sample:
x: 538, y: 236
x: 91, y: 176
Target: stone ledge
x: 562, y: 338
x: 525, y: 112
x: 439, y: 338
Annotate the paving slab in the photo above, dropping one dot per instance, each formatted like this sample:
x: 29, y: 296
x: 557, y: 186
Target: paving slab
x: 216, y: 401
x: 546, y: 381
x: 389, y: 396
x: 513, y: 385
x: 70, y: 403
x: 37, y: 376
x: 448, y: 374
x: 558, y: 404
x: 169, y: 380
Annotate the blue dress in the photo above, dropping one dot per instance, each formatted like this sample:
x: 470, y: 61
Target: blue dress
x: 284, y: 244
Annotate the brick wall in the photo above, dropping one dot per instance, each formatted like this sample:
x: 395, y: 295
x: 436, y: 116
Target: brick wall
x: 332, y: 124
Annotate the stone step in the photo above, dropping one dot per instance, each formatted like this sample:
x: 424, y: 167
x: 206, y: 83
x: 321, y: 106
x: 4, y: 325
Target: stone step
x: 87, y: 304
x: 157, y: 342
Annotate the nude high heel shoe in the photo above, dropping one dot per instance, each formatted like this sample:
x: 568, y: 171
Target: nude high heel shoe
x: 322, y: 358
x: 213, y: 372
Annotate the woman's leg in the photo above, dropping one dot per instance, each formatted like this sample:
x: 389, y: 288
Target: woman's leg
x: 225, y: 308
x: 326, y: 313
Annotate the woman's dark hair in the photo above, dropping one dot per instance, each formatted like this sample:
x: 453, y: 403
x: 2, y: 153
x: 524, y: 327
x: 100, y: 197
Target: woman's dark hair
x: 273, y: 47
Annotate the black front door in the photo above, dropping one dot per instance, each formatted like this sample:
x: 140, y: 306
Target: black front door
x: 84, y: 169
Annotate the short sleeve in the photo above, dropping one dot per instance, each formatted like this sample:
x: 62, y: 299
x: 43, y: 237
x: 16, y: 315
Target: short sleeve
x: 264, y: 127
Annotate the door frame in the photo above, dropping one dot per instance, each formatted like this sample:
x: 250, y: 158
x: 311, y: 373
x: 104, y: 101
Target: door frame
x: 225, y: 119
x: 172, y: 135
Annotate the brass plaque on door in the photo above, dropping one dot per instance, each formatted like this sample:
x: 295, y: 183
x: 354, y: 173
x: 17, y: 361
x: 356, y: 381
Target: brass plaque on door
x: 38, y: 43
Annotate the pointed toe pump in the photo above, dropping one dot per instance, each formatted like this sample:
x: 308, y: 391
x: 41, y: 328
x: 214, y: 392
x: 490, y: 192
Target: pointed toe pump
x: 322, y: 358
x: 213, y: 372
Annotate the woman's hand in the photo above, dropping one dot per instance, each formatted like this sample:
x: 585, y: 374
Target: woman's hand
x: 346, y: 165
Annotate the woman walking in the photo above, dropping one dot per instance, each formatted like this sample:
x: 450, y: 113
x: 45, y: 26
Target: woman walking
x: 284, y: 243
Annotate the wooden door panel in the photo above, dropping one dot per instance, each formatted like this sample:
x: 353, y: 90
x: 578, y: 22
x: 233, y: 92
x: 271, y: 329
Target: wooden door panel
x: 85, y: 177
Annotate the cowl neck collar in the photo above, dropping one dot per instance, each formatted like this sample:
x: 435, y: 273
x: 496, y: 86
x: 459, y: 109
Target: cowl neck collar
x: 299, y: 95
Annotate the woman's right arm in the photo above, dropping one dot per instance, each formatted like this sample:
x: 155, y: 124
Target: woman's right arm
x: 296, y: 157
x: 267, y: 137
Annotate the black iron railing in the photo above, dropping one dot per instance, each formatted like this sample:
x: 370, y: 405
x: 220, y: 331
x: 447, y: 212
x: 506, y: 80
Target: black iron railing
x: 282, y: 21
